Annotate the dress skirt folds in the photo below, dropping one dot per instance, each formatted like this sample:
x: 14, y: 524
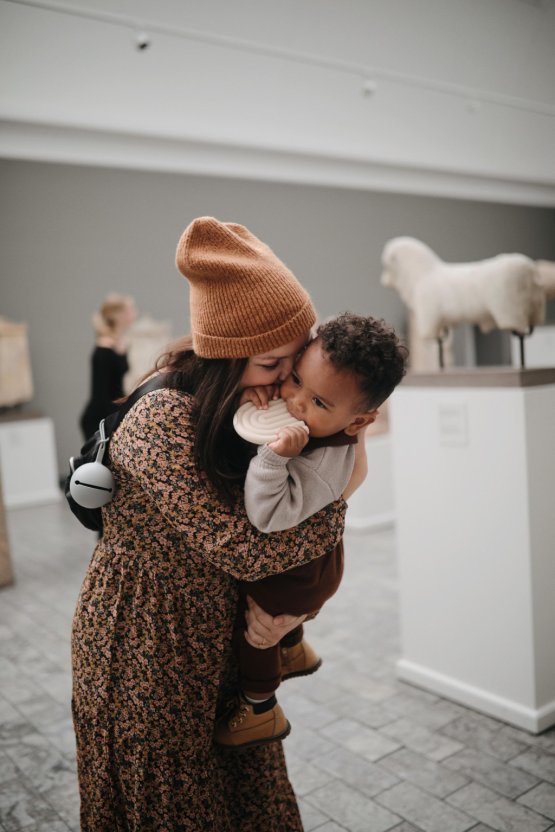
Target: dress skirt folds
x: 152, y: 657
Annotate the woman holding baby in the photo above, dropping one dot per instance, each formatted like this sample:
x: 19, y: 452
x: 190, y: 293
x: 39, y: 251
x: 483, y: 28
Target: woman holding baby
x: 153, y: 664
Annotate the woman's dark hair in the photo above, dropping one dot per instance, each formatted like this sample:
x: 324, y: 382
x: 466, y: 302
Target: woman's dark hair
x: 218, y: 451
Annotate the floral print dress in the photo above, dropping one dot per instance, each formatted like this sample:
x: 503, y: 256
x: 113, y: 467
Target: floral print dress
x: 152, y: 657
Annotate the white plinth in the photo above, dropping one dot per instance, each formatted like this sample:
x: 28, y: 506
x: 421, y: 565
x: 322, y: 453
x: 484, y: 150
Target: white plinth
x: 28, y: 461
x: 371, y: 506
x: 474, y: 484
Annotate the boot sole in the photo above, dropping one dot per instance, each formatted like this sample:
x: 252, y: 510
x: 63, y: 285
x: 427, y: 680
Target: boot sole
x: 308, y: 672
x: 262, y: 741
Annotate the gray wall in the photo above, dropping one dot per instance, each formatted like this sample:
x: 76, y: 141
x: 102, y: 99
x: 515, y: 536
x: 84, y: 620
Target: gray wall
x: 70, y: 234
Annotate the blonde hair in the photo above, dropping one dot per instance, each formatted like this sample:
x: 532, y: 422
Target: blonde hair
x: 105, y: 320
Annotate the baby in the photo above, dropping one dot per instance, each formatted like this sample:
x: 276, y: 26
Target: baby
x: 336, y: 387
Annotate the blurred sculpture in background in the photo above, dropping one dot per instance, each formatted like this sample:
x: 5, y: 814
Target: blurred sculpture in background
x: 147, y: 340
x: 502, y: 292
x: 545, y: 277
x: 16, y: 380
x: 109, y: 359
x: 423, y: 352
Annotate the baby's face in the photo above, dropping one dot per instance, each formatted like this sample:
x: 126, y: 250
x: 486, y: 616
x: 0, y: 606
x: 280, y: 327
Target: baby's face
x: 326, y: 399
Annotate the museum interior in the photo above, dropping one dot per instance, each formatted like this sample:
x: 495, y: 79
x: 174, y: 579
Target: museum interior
x: 399, y: 158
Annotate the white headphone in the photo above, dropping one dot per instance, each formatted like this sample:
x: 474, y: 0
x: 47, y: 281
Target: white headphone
x: 92, y: 485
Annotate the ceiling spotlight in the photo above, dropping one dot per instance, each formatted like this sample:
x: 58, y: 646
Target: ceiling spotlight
x: 142, y: 41
x: 369, y: 87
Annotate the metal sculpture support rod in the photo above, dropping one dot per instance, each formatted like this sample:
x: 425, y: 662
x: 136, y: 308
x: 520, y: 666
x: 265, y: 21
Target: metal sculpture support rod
x: 521, y: 336
x: 440, y: 353
x: 440, y: 339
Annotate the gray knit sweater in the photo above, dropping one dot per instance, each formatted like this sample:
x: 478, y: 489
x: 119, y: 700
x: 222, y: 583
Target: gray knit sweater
x: 281, y: 491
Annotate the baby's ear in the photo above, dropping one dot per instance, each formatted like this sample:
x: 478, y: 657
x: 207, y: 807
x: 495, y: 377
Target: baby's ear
x: 360, y: 422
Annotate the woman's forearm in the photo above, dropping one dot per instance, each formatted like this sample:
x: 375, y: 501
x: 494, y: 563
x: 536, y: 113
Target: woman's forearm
x: 360, y: 469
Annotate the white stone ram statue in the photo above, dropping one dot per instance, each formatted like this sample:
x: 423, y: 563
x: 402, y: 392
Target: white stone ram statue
x: 545, y: 276
x: 502, y: 292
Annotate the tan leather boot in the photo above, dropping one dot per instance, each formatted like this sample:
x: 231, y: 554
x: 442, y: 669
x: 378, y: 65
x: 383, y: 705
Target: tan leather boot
x: 242, y: 727
x: 300, y: 660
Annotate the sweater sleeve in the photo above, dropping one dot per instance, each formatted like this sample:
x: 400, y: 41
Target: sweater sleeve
x: 154, y: 448
x: 281, y: 492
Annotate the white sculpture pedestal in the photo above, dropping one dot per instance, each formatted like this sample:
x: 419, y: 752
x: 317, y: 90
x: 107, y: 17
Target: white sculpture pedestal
x: 371, y: 507
x: 474, y: 482
x: 28, y: 460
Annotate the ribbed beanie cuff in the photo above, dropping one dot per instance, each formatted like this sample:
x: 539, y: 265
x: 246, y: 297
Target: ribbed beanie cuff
x: 244, y: 301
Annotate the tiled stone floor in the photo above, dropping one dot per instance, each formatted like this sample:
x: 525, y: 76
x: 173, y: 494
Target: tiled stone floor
x: 366, y: 754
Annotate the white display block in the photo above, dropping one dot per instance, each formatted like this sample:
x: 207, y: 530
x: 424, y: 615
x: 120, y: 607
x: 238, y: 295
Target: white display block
x: 28, y: 461
x: 474, y: 484
x: 371, y: 506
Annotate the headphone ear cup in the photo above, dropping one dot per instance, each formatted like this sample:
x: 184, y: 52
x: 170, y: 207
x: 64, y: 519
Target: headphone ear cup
x: 92, y: 485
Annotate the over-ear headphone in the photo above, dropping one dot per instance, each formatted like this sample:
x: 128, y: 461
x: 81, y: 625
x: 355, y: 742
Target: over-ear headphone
x: 92, y: 485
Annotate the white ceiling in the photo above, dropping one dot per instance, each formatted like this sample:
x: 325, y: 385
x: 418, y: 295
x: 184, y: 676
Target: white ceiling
x: 424, y: 96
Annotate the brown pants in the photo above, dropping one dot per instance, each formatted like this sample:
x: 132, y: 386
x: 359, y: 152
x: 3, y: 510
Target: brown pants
x: 298, y: 591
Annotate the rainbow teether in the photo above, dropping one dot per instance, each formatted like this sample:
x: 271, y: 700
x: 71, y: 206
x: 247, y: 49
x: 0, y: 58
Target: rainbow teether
x: 261, y: 426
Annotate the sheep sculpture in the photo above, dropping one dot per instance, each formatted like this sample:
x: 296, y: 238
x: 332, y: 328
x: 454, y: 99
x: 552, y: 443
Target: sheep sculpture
x: 502, y: 292
x: 545, y: 277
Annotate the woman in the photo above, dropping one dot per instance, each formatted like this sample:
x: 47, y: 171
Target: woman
x: 109, y: 359
x: 152, y: 655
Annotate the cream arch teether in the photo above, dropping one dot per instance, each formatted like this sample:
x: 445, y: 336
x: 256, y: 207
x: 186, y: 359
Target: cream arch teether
x: 261, y: 426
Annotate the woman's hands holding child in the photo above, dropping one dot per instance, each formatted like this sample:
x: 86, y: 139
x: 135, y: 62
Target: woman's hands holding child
x: 264, y: 630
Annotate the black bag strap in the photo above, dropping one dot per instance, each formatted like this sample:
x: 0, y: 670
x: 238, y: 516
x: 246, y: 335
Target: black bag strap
x: 112, y: 421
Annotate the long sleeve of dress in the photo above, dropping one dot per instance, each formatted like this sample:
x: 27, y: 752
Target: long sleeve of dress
x: 281, y: 492
x: 152, y: 449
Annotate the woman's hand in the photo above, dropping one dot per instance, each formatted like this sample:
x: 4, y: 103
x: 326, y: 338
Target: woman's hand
x: 260, y: 396
x: 264, y: 630
x: 360, y: 468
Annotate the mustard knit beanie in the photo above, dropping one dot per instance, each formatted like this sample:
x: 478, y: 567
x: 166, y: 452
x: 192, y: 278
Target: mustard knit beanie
x: 244, y: 300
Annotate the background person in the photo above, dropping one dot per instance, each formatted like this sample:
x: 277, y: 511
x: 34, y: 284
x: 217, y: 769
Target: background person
x: 109, y: 359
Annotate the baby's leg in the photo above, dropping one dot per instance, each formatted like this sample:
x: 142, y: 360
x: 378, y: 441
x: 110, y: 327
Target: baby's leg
x: 256, y: 718
x: 292, y: 638
x: 297, y: 657
x: 259, y: 669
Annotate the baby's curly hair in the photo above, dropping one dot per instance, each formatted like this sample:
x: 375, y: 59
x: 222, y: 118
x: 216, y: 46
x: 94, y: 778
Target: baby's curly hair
x: 369, y: 348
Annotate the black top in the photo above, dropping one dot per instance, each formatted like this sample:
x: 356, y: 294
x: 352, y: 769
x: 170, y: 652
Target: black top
x: 108, y: 370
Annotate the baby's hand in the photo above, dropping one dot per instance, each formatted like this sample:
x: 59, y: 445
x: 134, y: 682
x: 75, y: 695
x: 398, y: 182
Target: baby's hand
x: 290, y: 440
x: 260, y: 396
